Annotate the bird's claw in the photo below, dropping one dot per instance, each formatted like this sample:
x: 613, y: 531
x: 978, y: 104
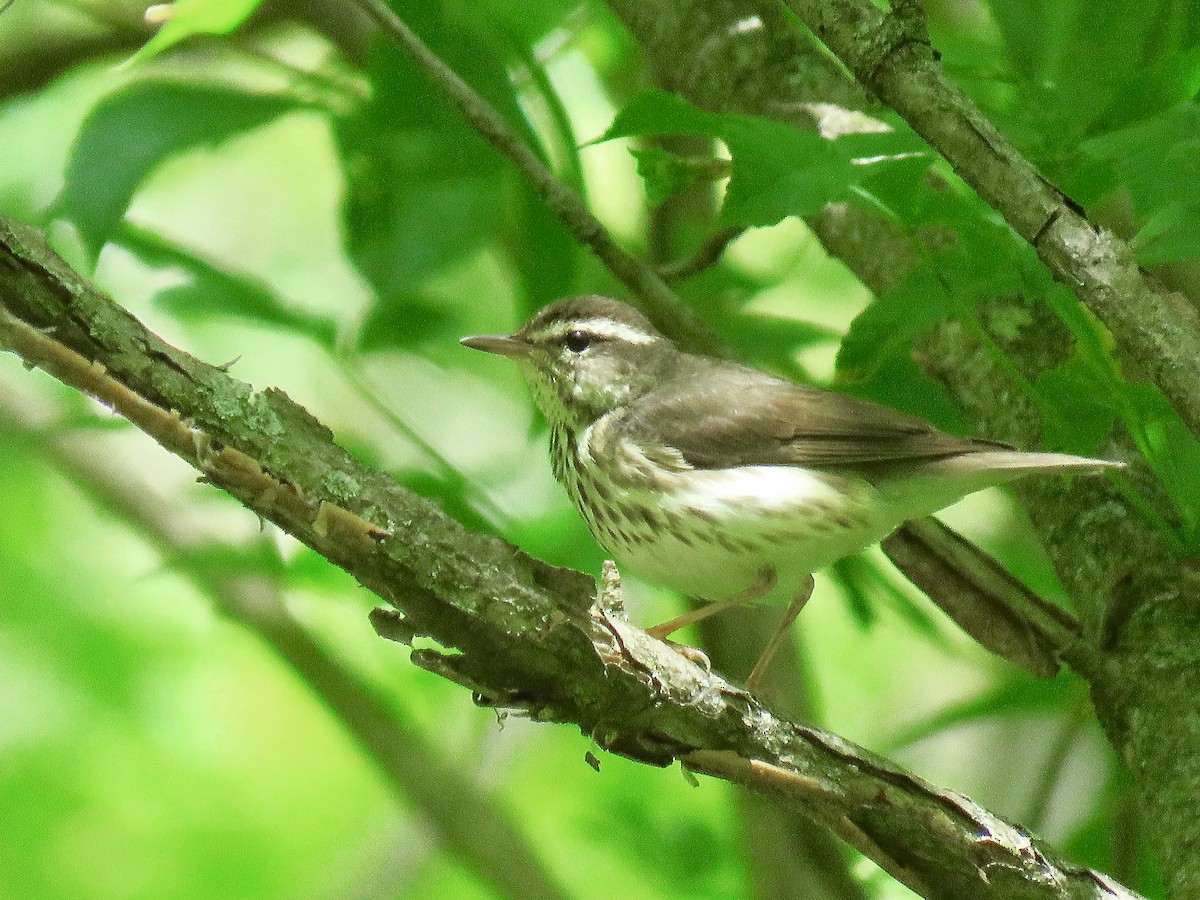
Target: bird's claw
x: 692, y: 655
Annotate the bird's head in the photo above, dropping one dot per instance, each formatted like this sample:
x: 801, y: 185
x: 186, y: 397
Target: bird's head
x: 584, y: 357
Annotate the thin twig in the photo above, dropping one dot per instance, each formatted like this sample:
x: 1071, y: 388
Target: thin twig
x: 708, y: 254
x: 560, y: 119
x: 657, y: 300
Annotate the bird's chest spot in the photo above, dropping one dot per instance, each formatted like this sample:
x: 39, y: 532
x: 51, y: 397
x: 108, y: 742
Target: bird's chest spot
x: 620, y: 518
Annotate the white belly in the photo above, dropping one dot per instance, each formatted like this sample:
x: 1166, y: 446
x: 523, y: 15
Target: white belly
x: 728, y: 525
x: 710, y: 533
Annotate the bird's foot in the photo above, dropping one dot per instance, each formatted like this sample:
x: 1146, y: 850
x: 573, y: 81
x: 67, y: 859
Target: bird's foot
x: 692, y: 655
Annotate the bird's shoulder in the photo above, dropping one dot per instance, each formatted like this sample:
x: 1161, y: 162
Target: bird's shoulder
x: 719, y: 414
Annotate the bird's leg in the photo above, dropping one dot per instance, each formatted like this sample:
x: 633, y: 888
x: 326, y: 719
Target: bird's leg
x: 763, y: 585
x: 781, y: 629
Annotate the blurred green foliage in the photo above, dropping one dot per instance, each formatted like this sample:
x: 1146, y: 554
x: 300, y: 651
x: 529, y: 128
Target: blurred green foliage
x: 309, y: 203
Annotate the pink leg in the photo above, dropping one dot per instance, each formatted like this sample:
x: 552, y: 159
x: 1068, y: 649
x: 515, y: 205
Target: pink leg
x: 764, y: 584
x: 777, y: 636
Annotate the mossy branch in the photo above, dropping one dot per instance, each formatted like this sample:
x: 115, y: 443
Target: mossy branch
x: 891, y: 56
x: 531, y: 637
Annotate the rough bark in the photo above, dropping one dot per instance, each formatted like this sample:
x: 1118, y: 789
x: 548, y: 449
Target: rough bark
x: 891, y: 56
x: 530, y: 637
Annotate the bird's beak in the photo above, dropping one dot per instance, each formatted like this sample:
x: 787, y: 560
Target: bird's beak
x: 502, y: 344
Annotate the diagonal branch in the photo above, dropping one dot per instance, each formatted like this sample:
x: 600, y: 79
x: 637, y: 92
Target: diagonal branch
x: 529, y: 635
x: 891, y: 56
x: 657, y: 300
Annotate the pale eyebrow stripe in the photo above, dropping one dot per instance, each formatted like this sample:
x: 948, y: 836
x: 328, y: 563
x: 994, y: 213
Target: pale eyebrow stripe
x: 604, y: 328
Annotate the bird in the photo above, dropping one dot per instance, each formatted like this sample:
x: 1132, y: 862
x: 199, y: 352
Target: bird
x: 723, y: 482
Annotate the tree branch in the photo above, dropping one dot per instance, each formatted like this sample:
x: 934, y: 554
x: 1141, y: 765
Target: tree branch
x: 529, y: 635
x: 705, y: 256
x: 656, y: 299
x: 891, y: 56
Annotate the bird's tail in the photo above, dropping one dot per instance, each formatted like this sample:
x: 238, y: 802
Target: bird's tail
x: 937, y: 483
x: 1021, y: 461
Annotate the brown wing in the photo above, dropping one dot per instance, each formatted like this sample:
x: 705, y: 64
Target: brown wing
x: 727, y: 415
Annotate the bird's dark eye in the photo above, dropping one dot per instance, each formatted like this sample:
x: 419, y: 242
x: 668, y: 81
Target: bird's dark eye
x: 578, y: 341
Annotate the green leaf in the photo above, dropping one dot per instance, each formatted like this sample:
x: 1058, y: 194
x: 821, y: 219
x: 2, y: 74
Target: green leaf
x: 1157, y: 160
x: 777, y: 170
x: 772, y: 343
x: 854, y: 575
x: 946, y: 285
x: 1020, y: 695
x: 403, y: 232
x: 309, y: 570
x: 1079, y: 407
x: 1173, y: 81
x: 987, y: 260
x: 899, y: 382
x: 529, y: 20
x: 864, y: 583
x: 545, y: 254
x: 1088, y: 333
x: 1172, y: 234
x: 773, y: 338
x: 657, y: 112
x: 220, y: 560
x: 406, y: 321
x: 423, y: 189
x: 189, y: 17
x: 781, y: 171
x: 1083, y: 68
x: 213, y: 291
x: 1168, y: 445
x: 1171, y: 450
x: 1032, y: 32
x: 891, y: 323
x: 215, y: 294
x: 130, y: 132
x: 898, y: 187
x: 455, y: 496
x: 1164, y: 176
x: 1146, y: 138
x: 1104, y: 46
